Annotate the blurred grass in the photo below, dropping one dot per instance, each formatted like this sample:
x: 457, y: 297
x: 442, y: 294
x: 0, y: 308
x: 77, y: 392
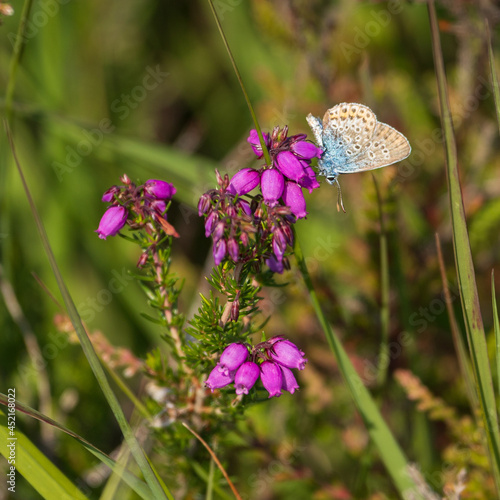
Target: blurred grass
x: 292, y: 59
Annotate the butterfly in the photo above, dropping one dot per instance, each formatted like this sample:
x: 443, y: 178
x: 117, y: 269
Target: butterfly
x: 354, y: 141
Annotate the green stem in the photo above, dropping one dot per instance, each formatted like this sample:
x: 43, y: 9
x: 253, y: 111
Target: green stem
x: 240, y: 80
x: 390, y: 452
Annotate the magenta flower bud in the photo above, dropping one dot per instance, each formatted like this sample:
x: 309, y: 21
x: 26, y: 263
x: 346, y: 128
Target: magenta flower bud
x: 219, y: 251
x: 218, y: 379
x: 275, y: 265
x: 246, y: 376
x: 245, y: 206
x: 286, y: 353
x: 143, y: 259
x: 218, y: 231
x: 294, y: 198
x: 160, y: 189
x: 233, y: 249
x: 306, y: 150
x: 272, y: 378
x: 109, y: 195
x: 278, y: 250
x: 272, y: 184
x: 235, y: 310
x: 253, y: 140
x: 112, y: 221
x: 309, y: 181
x: 233, y: 356
x: 159, y: 205
x: 289, y: 165
x: 289, y: 383
x: 244, y: 181
x: 210, y: 223
x: 204, y: 204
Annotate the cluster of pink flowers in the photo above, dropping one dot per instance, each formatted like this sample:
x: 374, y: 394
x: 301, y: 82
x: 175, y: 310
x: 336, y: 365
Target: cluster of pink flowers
x: 146, y: 201
x: 272, y: 361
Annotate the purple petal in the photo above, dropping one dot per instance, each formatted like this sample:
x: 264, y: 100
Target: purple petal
x: 246, y: 376
x: 289, y: 165
x: 253, y: 140
x: 233, y: 249
x: 218, y: 379
x: 272, y: 184
x: 286, y: 353
x: 289, y: 382
x: 309, y: 182
x: 306, y: 150
x: 112, y: 221
x: 275, y: 265
x: 272, y: 378
x: 244, y: 181
x: 233, y: 356
x: 219, y: 251
x: 210, y: 223
x: 294, y: 198
x: 160, y: 189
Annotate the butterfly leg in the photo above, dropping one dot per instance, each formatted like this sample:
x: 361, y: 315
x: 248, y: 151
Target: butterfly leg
x: 340, y: 203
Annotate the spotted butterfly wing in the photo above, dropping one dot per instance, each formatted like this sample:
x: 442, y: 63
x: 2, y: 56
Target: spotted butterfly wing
x: 354, y: 141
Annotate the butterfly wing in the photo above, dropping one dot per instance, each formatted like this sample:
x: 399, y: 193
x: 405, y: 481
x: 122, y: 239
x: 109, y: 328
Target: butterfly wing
x: 355, y: 141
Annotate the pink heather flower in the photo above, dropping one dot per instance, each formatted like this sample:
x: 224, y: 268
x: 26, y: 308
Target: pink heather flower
x: 253, y: 140
x: 219, y: 251
x: 233, y: 249
x: 272, y: 378
x: 160, y: 189
x: 275, y: 265
x: 218, y: 379
x: 159, y: 205
x: 306, y: 150
x: 309, y: 181
x: 112, y: 221
x: 233, y: 356
x: 110, y: 194
x: 289, y: 382
x: 289, y: 165
x: 210, y: 223
x: 244, y: 181
x: 246, y: 376
x: 286, y: 353
x: 272, y: 184
x: 294, y: 198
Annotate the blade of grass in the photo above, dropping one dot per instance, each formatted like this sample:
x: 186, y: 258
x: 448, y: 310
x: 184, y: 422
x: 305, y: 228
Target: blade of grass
x: 35, y: 467
x: 389, y: 450
x: 463, y: 357
x: 496, y: 326
x: 464, y: 265
x: 135, y: 483
x: 383, y: 362
x: 240, y: 80
x: 493, y: 71
x: 136, y: 450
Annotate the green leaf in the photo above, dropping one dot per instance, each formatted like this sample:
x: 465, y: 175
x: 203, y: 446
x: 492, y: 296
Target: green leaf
x: 464, y: 265
x: 35, y: 467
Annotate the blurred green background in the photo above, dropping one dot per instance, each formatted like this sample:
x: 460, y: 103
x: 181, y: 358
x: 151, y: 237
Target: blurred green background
x: 146, y: 88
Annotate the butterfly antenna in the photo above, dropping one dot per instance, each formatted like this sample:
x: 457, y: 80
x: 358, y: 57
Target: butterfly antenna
x: 340, y: 203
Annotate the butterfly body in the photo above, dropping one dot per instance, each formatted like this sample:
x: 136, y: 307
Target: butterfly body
x: 354, y: 141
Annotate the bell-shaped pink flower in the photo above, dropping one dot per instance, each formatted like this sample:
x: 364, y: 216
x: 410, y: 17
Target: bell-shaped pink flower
x: 160, y: 189
x: 218, y: 379
x: 272, y: 184
x: 244, y: 181
x: 210, y: 223
x: 289, y: 383
x: 233, y: 356
x: 306, y: 150
x: 294, y: 198
x: 245, y: 377
x: 112, y: 221
x: 272, y: 378
x: 309, y: 181
x: 233, y: 249
x: 289, y: 165
x: 275, y: 265
x: 286, y: 353
x: 219, y: 251
x: 254, y: 141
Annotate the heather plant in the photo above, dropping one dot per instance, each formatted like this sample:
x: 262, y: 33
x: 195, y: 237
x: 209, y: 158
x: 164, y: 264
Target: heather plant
x: 253, y: 342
